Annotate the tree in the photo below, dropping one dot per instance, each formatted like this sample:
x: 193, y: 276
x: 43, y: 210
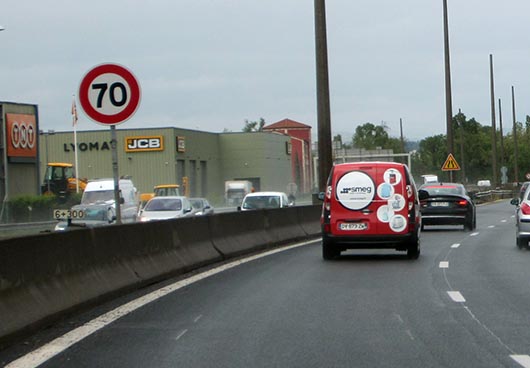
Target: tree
x: 370, y: 137
x: 254, y: 126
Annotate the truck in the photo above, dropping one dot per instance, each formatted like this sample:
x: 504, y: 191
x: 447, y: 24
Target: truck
x: 60, y: 180
x: 236, y: 190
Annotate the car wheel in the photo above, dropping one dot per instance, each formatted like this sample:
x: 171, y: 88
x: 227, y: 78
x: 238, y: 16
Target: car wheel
x: 470, y: 224
x: 413, y: 251
x: 520, y: 243
x: 328, y: 250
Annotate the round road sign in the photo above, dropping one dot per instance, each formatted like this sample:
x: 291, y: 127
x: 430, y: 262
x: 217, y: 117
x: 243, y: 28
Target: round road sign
x: 109, y: 94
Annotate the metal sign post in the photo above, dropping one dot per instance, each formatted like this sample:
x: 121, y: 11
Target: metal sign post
x: 110, y: 94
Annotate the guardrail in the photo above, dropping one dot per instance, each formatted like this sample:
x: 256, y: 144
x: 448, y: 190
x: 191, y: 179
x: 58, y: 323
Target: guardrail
x: 44, y: 276
x: 493, y: 195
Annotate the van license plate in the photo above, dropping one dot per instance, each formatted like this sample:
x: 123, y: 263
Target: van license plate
x: 353, y: 226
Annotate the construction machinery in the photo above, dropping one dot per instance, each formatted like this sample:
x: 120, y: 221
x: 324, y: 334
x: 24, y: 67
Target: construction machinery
x: 60, y: 180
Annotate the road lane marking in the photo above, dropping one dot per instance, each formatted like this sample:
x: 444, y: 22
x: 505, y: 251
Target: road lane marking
x: 181, y: 334
x: 523, y: 360
x: 197, y: 319
x: 473, y: 234
x: 47, y: 351
x: 456, y: 296
x: 491, y: 226
x: 504, y: 220
x: 444, y: 264
x: 456, y: 245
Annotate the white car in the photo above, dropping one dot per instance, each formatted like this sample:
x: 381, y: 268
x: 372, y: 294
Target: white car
x: 164, y: 208
x: 264, y: 200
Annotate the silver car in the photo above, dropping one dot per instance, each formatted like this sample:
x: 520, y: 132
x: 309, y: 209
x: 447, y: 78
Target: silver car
x: 201, y: 206
x: 164, y: 208
x: 522, y: 218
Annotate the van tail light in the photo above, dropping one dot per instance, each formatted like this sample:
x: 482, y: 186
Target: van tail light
x: 326, y: 228
x: 525, y: 208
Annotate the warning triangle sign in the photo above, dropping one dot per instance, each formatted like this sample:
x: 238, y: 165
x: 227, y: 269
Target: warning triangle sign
x: 450, y: 164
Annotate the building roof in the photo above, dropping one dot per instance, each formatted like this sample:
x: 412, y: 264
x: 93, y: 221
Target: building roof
x: 286, y: 124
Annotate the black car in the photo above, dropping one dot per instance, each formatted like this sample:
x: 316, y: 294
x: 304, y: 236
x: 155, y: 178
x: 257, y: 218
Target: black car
x: 447, y: 204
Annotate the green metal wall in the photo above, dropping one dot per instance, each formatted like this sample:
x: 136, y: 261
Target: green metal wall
x: 208, y: 160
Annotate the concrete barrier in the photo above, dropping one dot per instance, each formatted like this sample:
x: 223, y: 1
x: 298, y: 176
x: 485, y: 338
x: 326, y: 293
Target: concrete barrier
x: 42, y: 277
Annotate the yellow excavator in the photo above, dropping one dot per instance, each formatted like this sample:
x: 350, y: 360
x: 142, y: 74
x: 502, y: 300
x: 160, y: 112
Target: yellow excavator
x: 60, y: 180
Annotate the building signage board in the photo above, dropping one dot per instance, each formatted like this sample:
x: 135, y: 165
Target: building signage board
x: 21, y: 135
x: 144, y: 143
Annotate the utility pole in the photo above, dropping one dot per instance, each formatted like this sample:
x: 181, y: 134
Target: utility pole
x: 493, y: 127
x: 401, y: 134
x: 448, y: 97
x: 515, y: 148
x: 501, y: 133
x: 462, y: 157
x: 323, y: 110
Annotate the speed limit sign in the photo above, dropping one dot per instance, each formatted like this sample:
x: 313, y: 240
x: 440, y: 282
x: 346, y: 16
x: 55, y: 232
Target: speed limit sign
x: 109, y: 94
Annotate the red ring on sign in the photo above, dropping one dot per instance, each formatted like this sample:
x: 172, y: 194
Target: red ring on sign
x: 132, y: 105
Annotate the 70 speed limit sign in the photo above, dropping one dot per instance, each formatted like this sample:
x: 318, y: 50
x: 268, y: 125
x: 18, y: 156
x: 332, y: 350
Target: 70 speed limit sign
x: 109, y: 94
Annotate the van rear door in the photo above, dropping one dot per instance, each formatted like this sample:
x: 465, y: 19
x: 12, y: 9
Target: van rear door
x: 354, y: 211
x: 392, y: 198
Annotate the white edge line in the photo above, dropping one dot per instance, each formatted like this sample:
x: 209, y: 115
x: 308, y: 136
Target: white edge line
x: 456, y: 296
x: 60, y: 344
x: 523, y: 360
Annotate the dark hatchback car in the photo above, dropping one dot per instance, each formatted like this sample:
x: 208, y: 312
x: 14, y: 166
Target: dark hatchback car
x: 447, y: 204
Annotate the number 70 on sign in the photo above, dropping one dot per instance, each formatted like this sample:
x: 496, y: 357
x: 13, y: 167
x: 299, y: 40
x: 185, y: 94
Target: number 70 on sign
x: 109, y: 94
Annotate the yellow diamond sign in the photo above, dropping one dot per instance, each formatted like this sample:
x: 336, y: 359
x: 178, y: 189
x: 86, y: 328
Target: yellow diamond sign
x: 450, y: 164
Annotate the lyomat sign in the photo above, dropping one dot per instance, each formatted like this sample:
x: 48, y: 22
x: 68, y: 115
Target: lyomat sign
x: 137, y: 144
x: 21, y: 135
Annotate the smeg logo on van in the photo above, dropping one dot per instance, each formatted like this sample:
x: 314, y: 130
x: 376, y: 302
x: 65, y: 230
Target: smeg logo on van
x: 355, y: 190
x: 147, y: 143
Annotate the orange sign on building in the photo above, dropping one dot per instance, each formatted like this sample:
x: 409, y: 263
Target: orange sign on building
x: 21, y: 132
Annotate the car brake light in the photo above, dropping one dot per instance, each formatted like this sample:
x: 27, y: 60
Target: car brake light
x: 525, y: 208
x: 462, y: 203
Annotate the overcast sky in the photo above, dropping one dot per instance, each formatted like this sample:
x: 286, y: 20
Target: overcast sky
x: 211, y: 64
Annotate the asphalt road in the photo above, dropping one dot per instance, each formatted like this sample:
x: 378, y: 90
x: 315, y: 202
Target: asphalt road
x: 463, y: 303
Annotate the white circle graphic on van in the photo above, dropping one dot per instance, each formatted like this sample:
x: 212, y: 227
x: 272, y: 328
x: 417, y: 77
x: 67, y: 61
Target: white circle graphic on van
x: 385, y: 191
x: 355, y: 190
x: 384, y: 213
x: 398, y: 223
x: 397, y: 202
x: 392, y: 176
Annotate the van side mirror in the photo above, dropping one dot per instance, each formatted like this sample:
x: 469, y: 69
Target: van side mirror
x: 423, y: 194
x: 122, y: 200
x: 321, y: 196
x: 515, y: 201
x: 239, y: 208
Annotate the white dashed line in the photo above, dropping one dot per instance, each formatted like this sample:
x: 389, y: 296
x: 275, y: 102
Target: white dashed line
x: 456, y: 296
x: 491, y: 226
x: 473, y: 234
x: 523, y: 360
x: 455, y: 245
x: 197, y: 319
x: 181, y: 334
x: 504, y: 220
x: 444, y: 264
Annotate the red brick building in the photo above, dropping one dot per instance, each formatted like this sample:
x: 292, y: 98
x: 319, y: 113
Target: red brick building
x: 300, y: 150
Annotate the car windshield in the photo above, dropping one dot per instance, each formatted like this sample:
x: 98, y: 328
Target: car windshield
x: 444, y: 189
x: 259, y: 202
x: 97, y: 196
x: 196, y: 203
x: 164, y: 204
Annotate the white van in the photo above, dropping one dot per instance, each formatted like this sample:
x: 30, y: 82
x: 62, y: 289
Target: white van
x: 102, y: 191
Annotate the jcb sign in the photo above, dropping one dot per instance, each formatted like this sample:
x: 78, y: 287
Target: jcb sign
x: 141, y: 144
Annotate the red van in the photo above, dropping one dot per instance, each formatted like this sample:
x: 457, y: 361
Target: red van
x: 370, y: 205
